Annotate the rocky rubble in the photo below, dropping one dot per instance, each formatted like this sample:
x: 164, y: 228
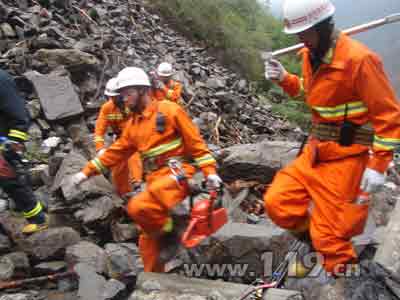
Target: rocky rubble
x: 61, y: 53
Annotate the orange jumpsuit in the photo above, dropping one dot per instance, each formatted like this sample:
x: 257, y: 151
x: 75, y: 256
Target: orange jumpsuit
x: 326, y: 172
x: 180, y: 138
x: 124, y: 173
x: 172, y: 91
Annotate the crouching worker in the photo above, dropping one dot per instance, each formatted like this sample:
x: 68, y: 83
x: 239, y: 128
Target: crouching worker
x: 160, y: 131
x: 14, y: 176
x: 115, y: 115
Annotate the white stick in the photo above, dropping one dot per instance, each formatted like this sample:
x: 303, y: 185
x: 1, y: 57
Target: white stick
x: 350, y: 31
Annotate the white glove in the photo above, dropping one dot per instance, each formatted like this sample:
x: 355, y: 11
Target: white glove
x: 101, y: 151
x: 274, y: 70
x: 78, y: 178
x: 372, y: 181
x: 213, y: 181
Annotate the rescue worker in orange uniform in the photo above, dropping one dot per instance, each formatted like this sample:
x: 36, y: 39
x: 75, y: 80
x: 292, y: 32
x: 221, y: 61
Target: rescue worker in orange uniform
x: 161, y: 132
x: 355, y: 128
x: 115, y: 114
x: 165, y: 88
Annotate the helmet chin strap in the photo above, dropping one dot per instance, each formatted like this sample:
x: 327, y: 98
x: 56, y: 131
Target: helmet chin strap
x: 325, y: 31
x: 141, y: 103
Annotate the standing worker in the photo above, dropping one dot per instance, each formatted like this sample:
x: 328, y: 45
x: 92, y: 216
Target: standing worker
x: 115, y: 114
x: 14, y: 177
x: 346, y: 88
x: 164, y: 87
x: 163, y: 134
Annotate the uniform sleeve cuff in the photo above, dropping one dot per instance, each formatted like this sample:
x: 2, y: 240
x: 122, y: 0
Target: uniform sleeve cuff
x: 379, y: 164
x: 208, y: 170
x: 89, y: 170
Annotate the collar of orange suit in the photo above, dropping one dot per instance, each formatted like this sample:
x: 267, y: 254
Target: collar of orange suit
x: 149, y: 110
x: 330, y: 54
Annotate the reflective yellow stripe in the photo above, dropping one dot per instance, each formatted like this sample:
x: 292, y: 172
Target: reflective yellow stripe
x: 114, y: 117
x: 18, y: 134
x: 163, y: 148
x: 204, y: 160
x: 98, y: 139
x: 168, y: 226
x: 386, y: 143
x: 169, y: 94
x: 353, y: 108
x: 302, y: 91
x: 35, y: 211
x: 99, y: 166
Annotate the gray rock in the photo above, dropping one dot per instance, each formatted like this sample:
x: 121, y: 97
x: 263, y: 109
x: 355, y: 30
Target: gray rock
x: 50, y: 243
x: 87, y: 253
x: 20, y: 261
x: 215, y: 83
x: 55, y: 163
x: 50, y: 267
x: 335, y: 291
x: 123, y: 259
x: 91, y: 284
x: 5, y: 243
x: 71, y: 58
x: 112, y: 290
x: 7, y: 268
x: 93, y: 188
x: 34, y: 108
x: 82, y: 138
x: 172, y: 286
x: 95, y: 210
x: 35, y: 133
x: 36, y: 174
x: 12, y: 225
x: 246, y: 244
x: 57, y: 96
x: 18, y: 296
x: 388, y: 252
x: 7, y: 30
x: 256, y: 161
x: 123, y: 232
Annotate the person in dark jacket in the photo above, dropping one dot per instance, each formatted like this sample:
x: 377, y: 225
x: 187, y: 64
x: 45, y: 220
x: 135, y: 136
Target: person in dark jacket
x: 14, y: 177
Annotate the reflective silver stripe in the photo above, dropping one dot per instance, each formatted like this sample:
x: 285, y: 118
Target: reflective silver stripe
x: 99, y: 166
x: 162, y: 148
x: 18, y: 134
x: 353, y: 108
x: 204, y: 160
x: 386, y: 143
x: 35, y: 211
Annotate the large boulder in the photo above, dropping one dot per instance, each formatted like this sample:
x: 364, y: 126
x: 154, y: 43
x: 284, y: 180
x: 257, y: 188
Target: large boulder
x: 123, y: 259
x: 176, y: 287
x: 57, y: 95
x: 256, y: 161
x: 93, y: 188
x: 255, y: 249
x: 95, y: 210
x: 87, y: 253
x: 49, y: 243
x: 73, y: 59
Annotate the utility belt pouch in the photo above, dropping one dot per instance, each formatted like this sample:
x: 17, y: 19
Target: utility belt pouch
x: 347, y: 133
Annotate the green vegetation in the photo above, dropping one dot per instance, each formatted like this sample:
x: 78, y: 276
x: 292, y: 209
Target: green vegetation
x: 239, y: 30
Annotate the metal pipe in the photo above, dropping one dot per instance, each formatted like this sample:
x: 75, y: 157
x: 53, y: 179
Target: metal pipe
x: 350, y: 31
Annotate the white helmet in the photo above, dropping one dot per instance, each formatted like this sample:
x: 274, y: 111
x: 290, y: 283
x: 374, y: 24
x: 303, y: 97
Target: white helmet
x: 165, y: 69
x: 132, y: 76
x: 111, y: 87
x: 300, y: 15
